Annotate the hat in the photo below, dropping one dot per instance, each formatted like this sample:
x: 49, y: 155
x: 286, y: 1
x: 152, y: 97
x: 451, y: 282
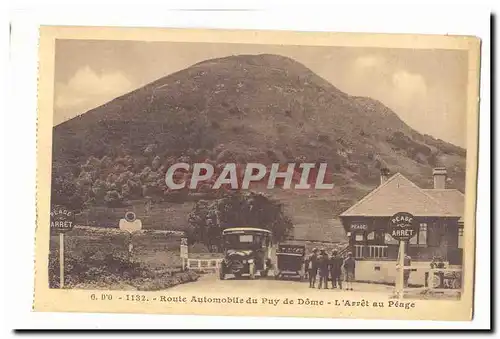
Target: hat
x: 349, y: 254
x: 335, y: 252
x: 315, y: 249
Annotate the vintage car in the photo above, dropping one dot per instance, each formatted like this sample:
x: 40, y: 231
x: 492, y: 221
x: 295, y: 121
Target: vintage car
x: 290, y: 261
x: 247, y: 251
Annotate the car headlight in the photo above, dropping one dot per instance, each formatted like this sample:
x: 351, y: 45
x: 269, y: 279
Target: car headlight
x: 250, y: 261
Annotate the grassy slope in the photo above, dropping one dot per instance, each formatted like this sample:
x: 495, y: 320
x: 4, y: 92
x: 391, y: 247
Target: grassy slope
x: 162, y: 216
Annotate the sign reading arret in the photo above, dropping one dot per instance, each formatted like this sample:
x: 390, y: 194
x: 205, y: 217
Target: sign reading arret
x: 403, y: 226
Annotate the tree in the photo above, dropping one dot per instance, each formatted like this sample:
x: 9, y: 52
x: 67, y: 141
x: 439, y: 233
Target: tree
x: 106, y: 162
x: 99, y: 190
x: 249, y: 209
x: 113, y: 198
x: 149, y: 150
x: 66, y: 193
x: 91, y: 164
x: 156, y: 163
x: 134, y: 189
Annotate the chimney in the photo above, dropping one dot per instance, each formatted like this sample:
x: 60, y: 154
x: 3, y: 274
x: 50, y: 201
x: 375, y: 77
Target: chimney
x: 384, y: 175
x: 439, y: 174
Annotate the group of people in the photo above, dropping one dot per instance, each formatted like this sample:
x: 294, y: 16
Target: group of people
x: 330, y: 268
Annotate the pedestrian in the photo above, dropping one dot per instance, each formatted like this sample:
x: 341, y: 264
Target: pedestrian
x: 336, y: 262
x: 406, y: 272
x: 349, y: 268
x: 312, y: 267
x: 323, y: 263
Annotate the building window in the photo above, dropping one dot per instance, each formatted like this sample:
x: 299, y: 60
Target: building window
x: 379, y: 237
x: 461, y: 237
x: 390, y: 240
x: 434, y: 235
x: 422, y: 234
x: 420, y: 239
x: 359, y: 237
x: 370, y: 236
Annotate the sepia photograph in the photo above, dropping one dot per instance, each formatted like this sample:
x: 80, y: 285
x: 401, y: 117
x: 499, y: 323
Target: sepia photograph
x: 257, y: 173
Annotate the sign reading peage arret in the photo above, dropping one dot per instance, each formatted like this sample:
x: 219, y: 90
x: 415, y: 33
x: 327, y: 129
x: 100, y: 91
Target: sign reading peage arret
x: 403, y: 226
x: 61, y: 220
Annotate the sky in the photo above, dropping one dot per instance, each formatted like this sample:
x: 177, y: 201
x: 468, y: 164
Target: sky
x: 426, y: 88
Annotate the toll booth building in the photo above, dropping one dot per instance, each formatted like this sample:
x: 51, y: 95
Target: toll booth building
x: 439, y: 215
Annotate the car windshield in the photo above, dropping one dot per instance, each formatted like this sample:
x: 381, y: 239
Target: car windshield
x: 244, y: 241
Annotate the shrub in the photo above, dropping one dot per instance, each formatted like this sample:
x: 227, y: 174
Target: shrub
x: 208, y: 218
x: 113, y: 199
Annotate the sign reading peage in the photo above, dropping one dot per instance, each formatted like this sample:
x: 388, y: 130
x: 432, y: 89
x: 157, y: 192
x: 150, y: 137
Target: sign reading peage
x: 359, y: 226
x: 402, y: 226
x: 61, y: 219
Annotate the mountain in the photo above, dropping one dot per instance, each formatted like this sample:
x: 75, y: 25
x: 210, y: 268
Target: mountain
x: 258, y: 108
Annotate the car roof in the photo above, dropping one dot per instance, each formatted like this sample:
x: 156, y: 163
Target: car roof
x: 241, y: 229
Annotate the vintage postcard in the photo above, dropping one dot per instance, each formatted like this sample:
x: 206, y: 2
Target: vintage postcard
x: 256, y: 173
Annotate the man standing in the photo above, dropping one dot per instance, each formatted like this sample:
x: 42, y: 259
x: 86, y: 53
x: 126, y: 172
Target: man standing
x: 312, y: 267
x: 336, y: 262
x: 323, y: 269
x: 349, y: 268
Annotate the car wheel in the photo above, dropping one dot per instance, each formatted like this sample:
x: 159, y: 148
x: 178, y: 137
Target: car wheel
x: 436, y: 281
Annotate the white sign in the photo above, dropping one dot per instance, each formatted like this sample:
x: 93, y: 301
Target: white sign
x: 184, y: 248
x: 130, y: 226
x: 359, y: 226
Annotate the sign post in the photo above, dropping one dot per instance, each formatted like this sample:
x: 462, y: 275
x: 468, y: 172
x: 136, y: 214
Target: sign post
x: 403, y: 227
x: 184, y: 252
x: 401, y: 272
x: 61, y: 221
x: 61, y: 260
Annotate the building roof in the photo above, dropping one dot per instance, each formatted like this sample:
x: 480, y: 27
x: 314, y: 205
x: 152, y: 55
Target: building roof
x: 398, y: 194
x: 451, y: 199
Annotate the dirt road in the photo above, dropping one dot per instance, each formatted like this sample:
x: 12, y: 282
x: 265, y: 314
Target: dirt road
x: 212, y: 283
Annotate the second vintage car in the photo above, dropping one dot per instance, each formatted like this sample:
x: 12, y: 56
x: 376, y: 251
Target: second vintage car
x: 247, y: 251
